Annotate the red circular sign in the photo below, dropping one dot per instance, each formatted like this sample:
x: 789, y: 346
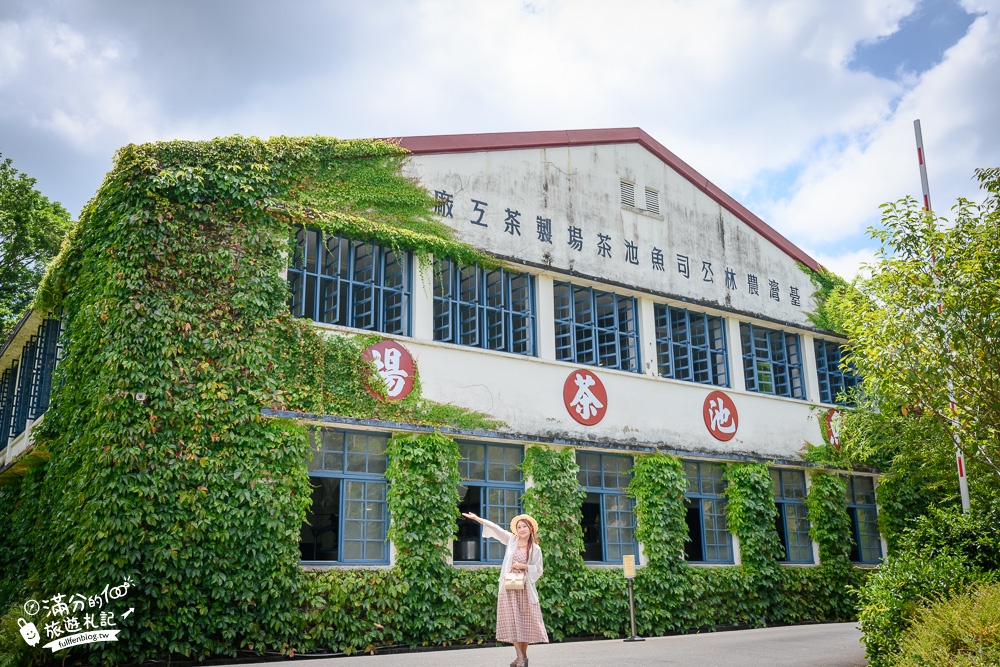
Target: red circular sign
x: 830, y: 420
x: 720, y: 416
x: 395, y: 366
x: 585, y: 398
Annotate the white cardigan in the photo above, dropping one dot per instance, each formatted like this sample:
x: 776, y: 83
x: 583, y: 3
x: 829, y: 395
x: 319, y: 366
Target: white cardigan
x: 534, y: 571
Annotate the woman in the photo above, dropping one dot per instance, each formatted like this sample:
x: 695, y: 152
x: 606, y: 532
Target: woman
x: 519, y: 618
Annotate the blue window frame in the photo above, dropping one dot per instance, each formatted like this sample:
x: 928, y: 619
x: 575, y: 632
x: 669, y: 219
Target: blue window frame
x: 25, y: 386
x: 8, y: 389
x: 691, y: 346
x: 352, y: 283
x: 772, y: 361
x: 349, y: 516
x: 867, y: 546
x: 709, y: 540
x: 492, y: 309
x: 492, y: 486
x: 792, y: 521
x: 835, y: 380
x: 25, y: 381
x: 608, y: 519
x: 596, y: 328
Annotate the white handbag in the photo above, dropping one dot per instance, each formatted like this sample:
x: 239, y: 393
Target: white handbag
x: 513, y: 581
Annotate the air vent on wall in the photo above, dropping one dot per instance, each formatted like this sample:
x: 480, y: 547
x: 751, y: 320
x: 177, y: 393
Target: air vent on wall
x: 628, y: 194
x: 652, y: 201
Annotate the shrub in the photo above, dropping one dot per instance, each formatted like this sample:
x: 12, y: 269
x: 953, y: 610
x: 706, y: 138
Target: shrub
x: 964, y: 630
x: 973, y: 536
x: 897, y: 591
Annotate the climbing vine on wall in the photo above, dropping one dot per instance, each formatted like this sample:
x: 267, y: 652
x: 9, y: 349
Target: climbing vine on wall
x: 423, y: 500
x: 750, y: 514
x: 829, y: 291
x: 177, y: 296
x: 658, y: 486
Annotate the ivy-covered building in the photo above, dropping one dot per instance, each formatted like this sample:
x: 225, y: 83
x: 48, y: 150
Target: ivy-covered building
x: 263, y: 378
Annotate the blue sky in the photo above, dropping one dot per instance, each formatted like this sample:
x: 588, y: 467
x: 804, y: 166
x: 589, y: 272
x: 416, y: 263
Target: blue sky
x: 919, y: 42
x: 801, y: 109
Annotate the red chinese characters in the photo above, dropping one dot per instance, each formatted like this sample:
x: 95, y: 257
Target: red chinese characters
x: 395, y: 366
x: 585, y: 398
x: 720, y: 416
x: 831, y: 427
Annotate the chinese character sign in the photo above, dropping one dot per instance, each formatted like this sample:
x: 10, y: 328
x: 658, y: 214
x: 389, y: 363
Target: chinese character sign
x: 830, y: 422
x: 394, y: 366
x: 720, y: 416
x: 585, y: 398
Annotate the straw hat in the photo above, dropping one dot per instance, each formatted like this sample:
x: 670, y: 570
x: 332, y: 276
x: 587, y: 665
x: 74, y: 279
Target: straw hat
x: 523, y: 517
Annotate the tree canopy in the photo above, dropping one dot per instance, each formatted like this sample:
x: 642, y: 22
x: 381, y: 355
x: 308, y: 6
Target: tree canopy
x: 31, y: 229
x: 925, y: 329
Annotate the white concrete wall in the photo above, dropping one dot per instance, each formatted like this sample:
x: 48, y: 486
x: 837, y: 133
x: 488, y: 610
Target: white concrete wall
x: 580, y: 187
x: 643, y: 410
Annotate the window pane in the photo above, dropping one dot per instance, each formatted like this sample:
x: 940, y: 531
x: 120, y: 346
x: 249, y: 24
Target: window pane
x: 710, y: 540
x: 771, y: 361
x: 595, y: 327
x: 348, y: 516
x: 349, y: 283
x: 495, y: 308
x: 319, y: 534
x: 690, y: 346
x: 593, y: 545
x: 794, y: 484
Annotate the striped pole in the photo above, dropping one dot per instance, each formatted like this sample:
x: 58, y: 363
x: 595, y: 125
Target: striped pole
x: 963, y: 483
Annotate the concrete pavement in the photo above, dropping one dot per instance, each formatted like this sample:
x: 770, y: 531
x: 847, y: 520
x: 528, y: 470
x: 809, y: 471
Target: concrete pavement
x: 824, y: 645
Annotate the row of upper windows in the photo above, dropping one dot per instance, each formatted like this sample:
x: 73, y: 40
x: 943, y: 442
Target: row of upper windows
x: 348, y: 520
x: 363, y: 285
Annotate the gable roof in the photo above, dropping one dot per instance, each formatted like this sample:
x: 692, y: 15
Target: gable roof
x: 499, y: 141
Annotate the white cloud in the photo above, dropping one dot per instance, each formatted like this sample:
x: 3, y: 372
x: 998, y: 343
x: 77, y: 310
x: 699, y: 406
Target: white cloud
x: 69, y: 84
x: 741, y: 90
x: 848, y: 264
x: 957, y: 103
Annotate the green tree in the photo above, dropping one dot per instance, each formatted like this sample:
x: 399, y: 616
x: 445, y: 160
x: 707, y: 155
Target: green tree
x: 926, y: 324
x: 31, y: 229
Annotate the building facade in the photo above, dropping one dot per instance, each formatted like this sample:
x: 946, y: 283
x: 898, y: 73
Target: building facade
x: 638, y: 309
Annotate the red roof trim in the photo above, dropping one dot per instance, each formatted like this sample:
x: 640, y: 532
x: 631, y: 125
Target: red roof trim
x: 471, y: 143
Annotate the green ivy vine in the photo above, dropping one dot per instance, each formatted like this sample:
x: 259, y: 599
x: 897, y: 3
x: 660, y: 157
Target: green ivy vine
x: 750, y: 514
x: 830, y: 289
x: 658, y: 485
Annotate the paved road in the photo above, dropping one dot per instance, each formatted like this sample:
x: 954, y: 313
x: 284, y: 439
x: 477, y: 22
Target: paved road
x: 826, y: 645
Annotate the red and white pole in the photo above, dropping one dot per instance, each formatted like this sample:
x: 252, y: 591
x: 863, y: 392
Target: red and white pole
x: 963, y: 484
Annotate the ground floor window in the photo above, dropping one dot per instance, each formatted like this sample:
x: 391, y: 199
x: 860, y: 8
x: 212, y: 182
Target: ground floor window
x: 491, y: 487
x: 792, y: 522
x: 867, y: 545
x: 607, y: 517
x: 709, y: 540
x: 349, y: 516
